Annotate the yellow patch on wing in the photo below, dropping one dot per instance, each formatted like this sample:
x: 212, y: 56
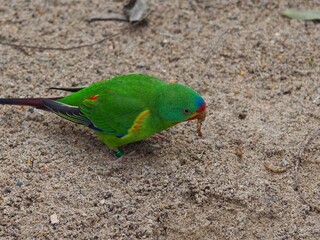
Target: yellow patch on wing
x: 139, y: 121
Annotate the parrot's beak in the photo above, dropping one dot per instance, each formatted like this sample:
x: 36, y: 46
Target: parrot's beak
x: 200, y: 114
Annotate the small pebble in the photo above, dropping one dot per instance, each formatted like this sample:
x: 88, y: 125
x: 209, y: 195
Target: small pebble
x: 242, y: 115
x: 107, y: 195
x: 54, y: 219
x: 6, y: 190
x: 141, y: 65
x: 19, y: 183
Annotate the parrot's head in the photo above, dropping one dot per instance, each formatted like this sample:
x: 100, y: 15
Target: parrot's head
x: 177, y: 103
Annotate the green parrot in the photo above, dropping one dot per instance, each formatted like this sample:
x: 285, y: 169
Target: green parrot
x: 124, y: 109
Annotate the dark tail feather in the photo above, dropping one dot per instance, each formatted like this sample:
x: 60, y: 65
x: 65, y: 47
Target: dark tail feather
x: 32, y: 102
x: 68, y: 89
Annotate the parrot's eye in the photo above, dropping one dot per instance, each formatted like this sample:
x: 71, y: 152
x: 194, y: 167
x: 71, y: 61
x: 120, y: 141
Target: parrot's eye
x: 186, y: 111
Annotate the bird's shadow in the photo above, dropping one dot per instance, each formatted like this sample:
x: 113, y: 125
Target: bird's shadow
x: 83, y: 139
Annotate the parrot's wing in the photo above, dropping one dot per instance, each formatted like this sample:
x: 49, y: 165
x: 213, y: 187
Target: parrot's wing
x: 113, y: 112
x: 71, y: 113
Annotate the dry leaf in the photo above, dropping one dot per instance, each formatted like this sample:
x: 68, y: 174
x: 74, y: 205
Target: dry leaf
x: 304, y: 14
x: 136, y: 10
x: 274, y: 170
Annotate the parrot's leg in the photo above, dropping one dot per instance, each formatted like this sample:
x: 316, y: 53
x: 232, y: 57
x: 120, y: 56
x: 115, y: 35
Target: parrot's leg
x: 113, y: 141
x: 118, y: 153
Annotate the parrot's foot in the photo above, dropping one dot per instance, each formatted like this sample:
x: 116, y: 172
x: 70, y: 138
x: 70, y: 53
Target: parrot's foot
x: 118, y: 153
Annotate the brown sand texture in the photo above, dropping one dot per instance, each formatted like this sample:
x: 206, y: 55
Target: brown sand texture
x: 253, y: 175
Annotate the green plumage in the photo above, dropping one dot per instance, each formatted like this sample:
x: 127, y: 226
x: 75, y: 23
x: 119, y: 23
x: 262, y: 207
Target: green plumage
x: 126, y: 108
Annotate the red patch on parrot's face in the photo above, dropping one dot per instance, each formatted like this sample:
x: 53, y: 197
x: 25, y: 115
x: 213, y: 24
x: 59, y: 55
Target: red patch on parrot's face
x: 95, y: 97
x: 198, y: 112
x: 202, y: 108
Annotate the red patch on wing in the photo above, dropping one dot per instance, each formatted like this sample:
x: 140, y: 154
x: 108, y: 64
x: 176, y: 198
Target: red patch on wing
x: 95, y: 97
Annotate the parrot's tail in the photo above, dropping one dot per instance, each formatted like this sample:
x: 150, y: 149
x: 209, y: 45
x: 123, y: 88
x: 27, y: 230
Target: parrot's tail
x: 32, y: 102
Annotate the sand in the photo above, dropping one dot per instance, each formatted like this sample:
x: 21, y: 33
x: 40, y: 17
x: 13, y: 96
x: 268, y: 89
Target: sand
x: 253, y: 175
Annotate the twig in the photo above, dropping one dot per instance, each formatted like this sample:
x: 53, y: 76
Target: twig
x: 298, y: 159
x: 21, y: 46
x: 22, y: 50
x: 40, y: 48
x: 108, y: 17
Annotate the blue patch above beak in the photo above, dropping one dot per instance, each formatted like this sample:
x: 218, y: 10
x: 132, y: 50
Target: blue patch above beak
x: 199, y: 101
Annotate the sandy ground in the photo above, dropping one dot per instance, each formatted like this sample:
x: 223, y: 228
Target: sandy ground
x: 259, y: 74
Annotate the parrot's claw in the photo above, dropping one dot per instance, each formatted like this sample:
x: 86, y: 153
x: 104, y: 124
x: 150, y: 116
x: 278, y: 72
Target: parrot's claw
x: 118, y: 153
